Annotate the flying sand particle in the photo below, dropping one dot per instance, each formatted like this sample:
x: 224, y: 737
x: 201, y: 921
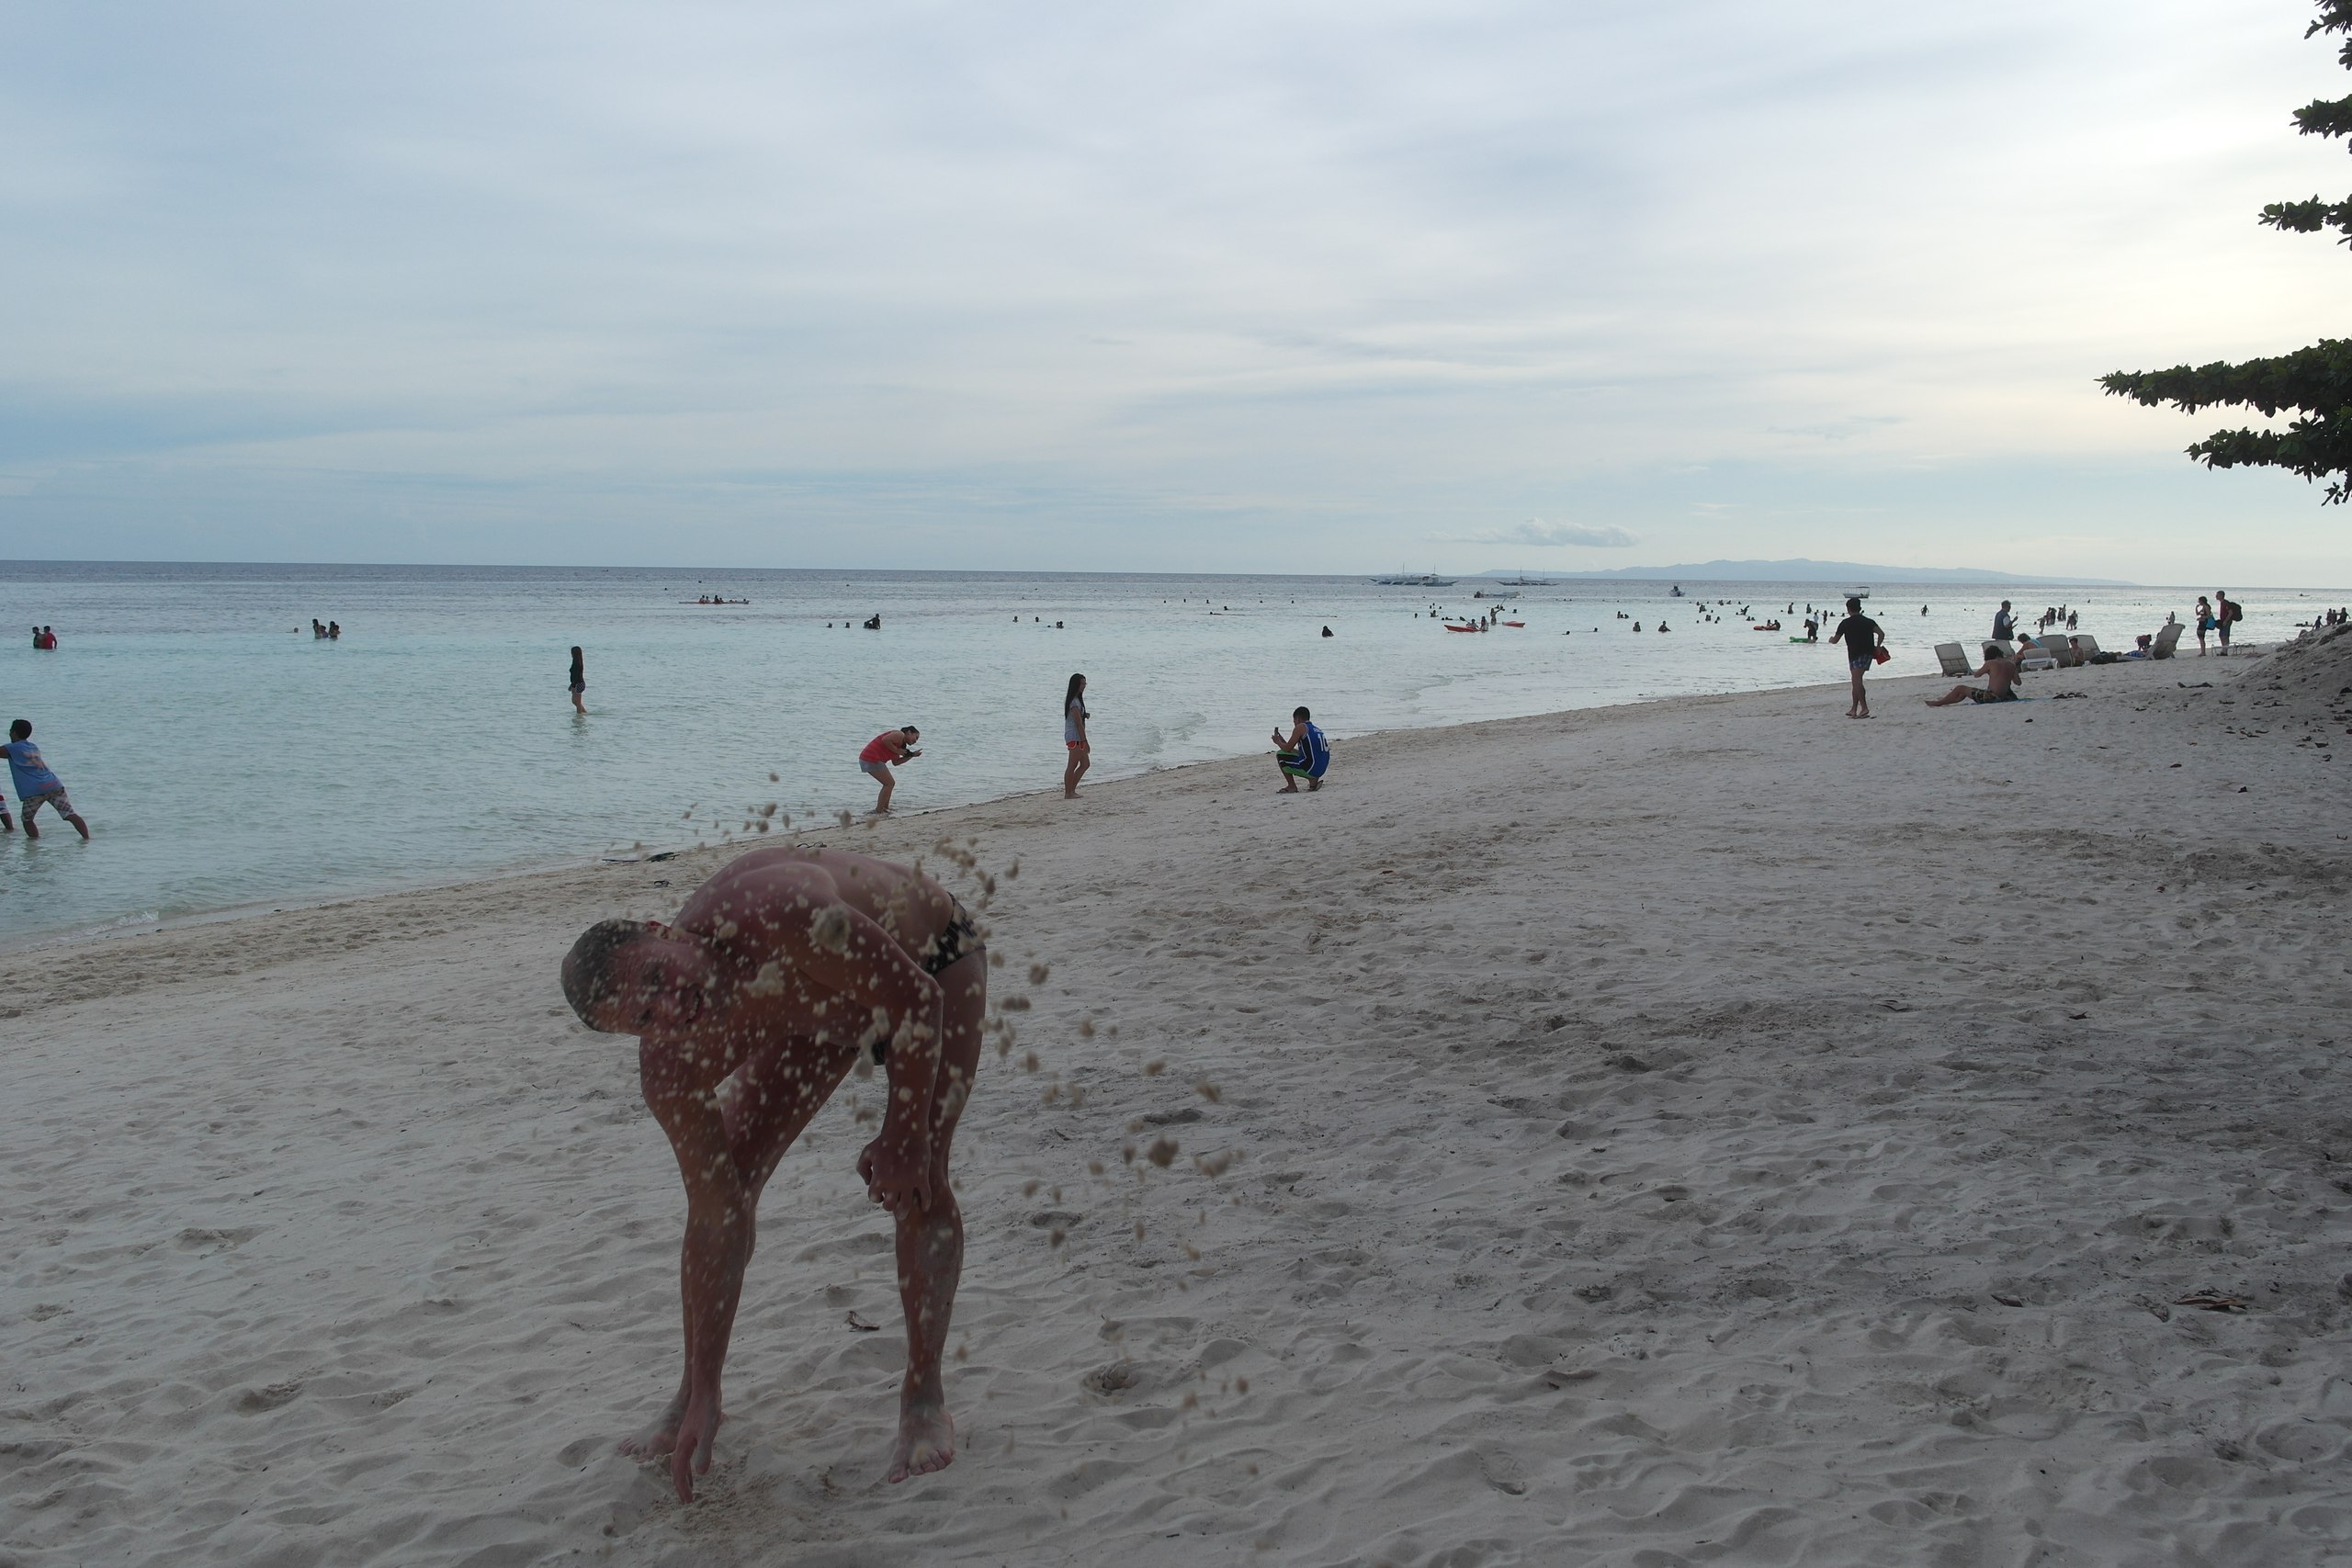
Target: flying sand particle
x: 1163, y: 1149
x: 1152, y: 1069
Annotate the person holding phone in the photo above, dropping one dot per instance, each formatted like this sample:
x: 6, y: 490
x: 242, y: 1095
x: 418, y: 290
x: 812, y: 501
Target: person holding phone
x: 1302, y: 754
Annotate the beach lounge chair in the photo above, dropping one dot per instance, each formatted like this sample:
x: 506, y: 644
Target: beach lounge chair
x: 2036, y: 656
x: 2086, y: 646
x: 1953, y: 658
x: 2168, y: 636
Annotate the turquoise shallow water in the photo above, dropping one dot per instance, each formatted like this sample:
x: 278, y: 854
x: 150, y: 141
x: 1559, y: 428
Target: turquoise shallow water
x: 226, y: 759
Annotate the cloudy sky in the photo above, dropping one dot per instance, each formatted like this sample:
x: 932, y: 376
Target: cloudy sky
x: 1281, y: 286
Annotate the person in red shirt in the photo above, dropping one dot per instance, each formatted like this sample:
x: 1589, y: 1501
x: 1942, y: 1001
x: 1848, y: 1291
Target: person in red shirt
x: 890, y: 745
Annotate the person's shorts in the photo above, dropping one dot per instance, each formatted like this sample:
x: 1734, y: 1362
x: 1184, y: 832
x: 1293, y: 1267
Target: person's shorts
x: 53, y: 798
x: 1979, y: 695
x: 578, y: 687
x: 1074, y: 745
x: 1293, y: 764
x: 879, y: 769
x: 1861, y: 663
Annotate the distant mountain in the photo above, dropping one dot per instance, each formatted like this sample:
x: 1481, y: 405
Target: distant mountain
x: 1844, y: 572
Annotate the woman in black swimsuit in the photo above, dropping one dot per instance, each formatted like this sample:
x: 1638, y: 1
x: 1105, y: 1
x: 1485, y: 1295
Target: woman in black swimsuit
x: 579, y: 680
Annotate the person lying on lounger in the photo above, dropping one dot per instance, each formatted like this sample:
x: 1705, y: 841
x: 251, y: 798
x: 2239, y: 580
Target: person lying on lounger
x: 2000, y: 683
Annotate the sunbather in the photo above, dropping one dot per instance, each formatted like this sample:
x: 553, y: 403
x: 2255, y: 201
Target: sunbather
x: 2000, y: 684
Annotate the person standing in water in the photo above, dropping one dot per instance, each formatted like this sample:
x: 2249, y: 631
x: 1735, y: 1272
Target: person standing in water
x: 36, y: 785
x: 1074, y: 737
x: 579, y: 679
x: 1862, y: 636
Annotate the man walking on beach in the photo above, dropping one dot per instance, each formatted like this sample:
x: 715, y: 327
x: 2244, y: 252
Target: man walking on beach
x: 890, y: 745
x: 777, y: 978
x: 36, y: 785
x: 1862, y: 636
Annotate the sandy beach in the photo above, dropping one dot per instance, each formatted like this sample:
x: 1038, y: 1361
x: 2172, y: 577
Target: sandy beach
x: 1708, y: 1131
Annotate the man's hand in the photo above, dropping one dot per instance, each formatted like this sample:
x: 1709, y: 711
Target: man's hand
x: 697, y: 1429
x: 897, y: 1177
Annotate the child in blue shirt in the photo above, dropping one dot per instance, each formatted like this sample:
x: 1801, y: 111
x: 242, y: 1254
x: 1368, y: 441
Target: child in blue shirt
x: 36, y: 785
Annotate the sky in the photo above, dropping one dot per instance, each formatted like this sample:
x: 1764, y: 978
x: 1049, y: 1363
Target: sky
x: 1288, y: 286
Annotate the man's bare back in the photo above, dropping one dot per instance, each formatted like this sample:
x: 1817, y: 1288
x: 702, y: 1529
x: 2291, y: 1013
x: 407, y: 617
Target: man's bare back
x: 2000, y: 681
x: 750, y: 1010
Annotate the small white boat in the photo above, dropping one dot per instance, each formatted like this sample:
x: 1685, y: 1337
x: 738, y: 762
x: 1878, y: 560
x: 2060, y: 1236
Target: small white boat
x: 1415, y: 580
x: 1858, y: 593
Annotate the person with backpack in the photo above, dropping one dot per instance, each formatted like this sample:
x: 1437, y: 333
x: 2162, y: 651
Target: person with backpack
x: 2227, y: 614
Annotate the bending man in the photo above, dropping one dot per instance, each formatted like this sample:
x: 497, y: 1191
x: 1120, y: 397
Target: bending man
x: 780, y: 971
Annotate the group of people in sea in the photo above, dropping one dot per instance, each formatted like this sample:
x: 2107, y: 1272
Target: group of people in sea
x: 331, y: 632
x: 45, y: 638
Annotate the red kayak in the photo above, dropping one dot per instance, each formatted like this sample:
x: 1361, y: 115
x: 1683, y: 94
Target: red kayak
x: 1451, y: 627
x: 1514, y: 623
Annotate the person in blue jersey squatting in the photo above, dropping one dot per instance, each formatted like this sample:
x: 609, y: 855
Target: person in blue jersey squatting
x: 1302, y: 754
x: 36, y: 785
x: 786, y: 969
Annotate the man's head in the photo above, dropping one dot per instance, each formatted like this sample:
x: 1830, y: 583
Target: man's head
x: 1853, y: 606
x: 631, y: 978
x: 2005, y: 603
x: 21, y: 729
x: 910, y: 732
x: 1301, y: 715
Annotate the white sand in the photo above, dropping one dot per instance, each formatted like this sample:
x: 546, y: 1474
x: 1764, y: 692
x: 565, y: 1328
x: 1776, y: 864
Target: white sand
x: 1706, y: 1131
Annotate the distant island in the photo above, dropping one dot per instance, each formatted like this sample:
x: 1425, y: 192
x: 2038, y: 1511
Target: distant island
x: 1844, y: 572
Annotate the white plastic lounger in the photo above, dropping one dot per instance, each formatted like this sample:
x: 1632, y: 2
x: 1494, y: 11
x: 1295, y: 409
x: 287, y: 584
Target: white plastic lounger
x: 2168, y: 636
x: 1953, y: 658
x: 2086, y: 646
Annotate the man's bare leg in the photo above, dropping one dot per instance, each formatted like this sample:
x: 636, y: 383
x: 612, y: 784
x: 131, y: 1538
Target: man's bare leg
x: 766, y: 1106
x: 1957, y: 695
x: 931, y: 1241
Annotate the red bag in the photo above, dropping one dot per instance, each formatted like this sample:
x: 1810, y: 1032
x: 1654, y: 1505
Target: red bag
x: 1880, y: 655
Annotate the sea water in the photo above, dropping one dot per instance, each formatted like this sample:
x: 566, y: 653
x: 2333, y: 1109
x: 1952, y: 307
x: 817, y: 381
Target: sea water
x: 226, y: 759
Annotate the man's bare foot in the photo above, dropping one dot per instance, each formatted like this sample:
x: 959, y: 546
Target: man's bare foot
x: 926, y: 1441
x: 661, y: 1434
x: 1287, y: 789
